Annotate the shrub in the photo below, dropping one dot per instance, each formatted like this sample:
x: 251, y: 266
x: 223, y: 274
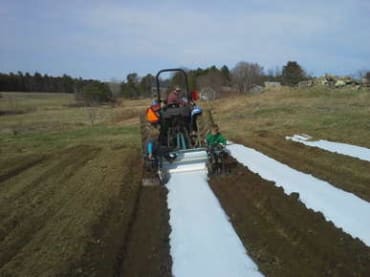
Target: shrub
x: 293, y: 73
x: 94, y: 93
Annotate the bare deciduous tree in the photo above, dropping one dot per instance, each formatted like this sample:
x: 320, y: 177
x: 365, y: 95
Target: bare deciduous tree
x: 213, y: 79
x: 245, y: 75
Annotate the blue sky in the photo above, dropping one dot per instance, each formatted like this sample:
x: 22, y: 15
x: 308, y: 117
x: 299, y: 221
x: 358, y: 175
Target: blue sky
x: 109, y: 39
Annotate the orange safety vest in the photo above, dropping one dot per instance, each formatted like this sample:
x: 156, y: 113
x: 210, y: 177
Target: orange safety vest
x: 152, y: 116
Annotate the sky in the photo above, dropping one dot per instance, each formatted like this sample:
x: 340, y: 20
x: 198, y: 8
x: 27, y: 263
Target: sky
x: 109, y: 39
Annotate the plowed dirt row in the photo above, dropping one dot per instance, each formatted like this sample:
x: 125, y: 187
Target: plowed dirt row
x: 91, y: 219
x: 21, y: 224
x: 147, y: 250
x: 69, y: 214
x: 282, y: 235
x: 8, y: 170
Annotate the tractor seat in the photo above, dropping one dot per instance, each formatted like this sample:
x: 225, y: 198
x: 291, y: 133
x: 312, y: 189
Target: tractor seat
x: 176, y: 112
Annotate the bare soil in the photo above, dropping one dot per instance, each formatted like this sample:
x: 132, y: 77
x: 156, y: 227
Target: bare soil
x: 67, y: 214
x: 80, y: 211
x: 282, y: 235
x: 16, y: 166
x: 11, y: 112
x: 147, y: 251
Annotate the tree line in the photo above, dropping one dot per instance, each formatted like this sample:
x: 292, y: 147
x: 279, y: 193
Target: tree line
x: 135, y: 86
x: 241, y: 78
x: 41, y: 83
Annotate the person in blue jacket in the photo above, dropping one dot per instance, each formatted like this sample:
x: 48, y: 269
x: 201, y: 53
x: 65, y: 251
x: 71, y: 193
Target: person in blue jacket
x: 151, y: 144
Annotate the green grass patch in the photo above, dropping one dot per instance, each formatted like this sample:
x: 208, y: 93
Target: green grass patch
x: 99, y: 134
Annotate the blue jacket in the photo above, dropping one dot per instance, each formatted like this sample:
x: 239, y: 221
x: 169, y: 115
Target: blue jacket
x: 151, y: 146
x: 196, y: 110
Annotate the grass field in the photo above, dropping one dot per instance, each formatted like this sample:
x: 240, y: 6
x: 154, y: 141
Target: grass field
x: 70, y: 176
x: 338, y: 115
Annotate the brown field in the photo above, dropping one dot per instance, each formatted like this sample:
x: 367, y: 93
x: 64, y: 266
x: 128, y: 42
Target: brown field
x: 284, y: 237
x: 71, y: 201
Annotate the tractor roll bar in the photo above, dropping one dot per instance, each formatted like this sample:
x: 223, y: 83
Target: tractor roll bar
x: 173, y: 70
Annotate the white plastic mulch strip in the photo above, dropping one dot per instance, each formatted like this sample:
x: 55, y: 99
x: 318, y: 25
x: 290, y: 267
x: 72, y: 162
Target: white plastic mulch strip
x: 355, y: 151
x: 344, y: 209
x: 202, y: 240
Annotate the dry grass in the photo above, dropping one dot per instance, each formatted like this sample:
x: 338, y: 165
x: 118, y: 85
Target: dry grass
x: 55, y: 112
x: 338, y: 115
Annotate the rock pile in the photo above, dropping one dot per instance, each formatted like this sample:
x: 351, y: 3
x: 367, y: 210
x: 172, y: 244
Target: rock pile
x: 332, y: 81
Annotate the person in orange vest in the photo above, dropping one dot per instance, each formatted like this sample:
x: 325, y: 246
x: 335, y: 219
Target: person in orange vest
x: 153, y: 112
